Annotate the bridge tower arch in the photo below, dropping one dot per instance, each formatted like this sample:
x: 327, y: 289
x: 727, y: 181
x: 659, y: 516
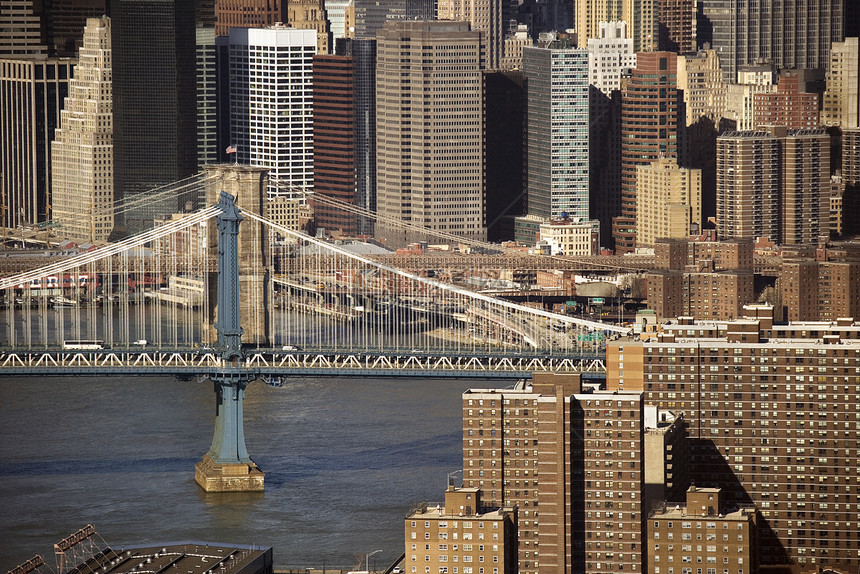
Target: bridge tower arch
x: 227, y: 466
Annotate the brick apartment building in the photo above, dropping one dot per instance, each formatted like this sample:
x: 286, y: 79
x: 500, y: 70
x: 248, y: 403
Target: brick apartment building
x: 572, y: 462
x: 463, y: 535
x: 773, y: 421
x: 703, y: 535
x: 701, y: 279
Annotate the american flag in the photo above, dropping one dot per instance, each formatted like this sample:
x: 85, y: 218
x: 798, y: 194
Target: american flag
x: 231, y: 149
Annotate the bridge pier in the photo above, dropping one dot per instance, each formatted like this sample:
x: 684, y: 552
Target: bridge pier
x: 227, y: 466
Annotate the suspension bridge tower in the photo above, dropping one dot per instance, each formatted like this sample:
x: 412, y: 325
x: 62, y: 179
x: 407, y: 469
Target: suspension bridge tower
x: 248, y: 185
x: 227, y: 466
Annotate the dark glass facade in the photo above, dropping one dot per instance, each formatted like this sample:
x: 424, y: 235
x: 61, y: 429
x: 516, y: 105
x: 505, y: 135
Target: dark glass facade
x: 155, y: 116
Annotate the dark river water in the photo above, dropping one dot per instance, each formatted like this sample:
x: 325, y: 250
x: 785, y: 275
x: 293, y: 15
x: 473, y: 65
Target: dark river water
x: 345, y: 459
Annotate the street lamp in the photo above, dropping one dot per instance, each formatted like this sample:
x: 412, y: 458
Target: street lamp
x: 367, y: 559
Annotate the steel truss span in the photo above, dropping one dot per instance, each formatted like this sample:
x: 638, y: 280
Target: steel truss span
x: 148, y: 304
x: 274, y: 366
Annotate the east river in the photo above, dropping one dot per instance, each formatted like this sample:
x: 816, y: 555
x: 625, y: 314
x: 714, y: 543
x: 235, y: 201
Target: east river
x: 345, y: 460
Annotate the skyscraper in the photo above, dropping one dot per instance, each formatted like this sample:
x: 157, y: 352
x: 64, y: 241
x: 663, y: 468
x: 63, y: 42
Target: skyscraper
x: 772, y: 412
x: 787, y: 34
x: 774, y: 184
x: 334, y: 140
x: 610, y: 58
x: 641, y: 17
x: 430, y: 127
x: 748, y: 185
x: 488, y: 16
x: 677, y: 26
x: 649, y: 131
x: 155, y: 103
x: 669, y: 201
x: 248, y: 14
x: 363, y: 53
x: 32, y: 91
x: 557, y: 161
x: 82, y: 150
x: 20, y: 29
x: 311, y: 14
x: 842, y: 98
x: 271, y: 113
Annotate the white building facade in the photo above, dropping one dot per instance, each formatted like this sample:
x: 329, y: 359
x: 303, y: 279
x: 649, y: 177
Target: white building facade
x: 271, y: 111
x: 82, y: 151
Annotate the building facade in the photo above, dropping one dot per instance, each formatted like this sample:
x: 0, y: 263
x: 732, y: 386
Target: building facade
x: 703, y: 531
x: 790, y: 35
x: 248, y: 14
x: 155, y: 104
x: 842, y: 97
x: 677, y: 26
x: 32, y: 92
x: 271, y: 111
x: 430, y: 145
x: 20, y: 30
x: 649, y: 131
x: 334, y: 140
x: 787, y: 106
x: 546, y: 448
x: 311, y: 14
x: 491, y: 17
x: 461, y: 535
x: 557, y: 143
x: 805, y: 203
x: 669, y: 201
x: 748, y: 182
x: 773, y: 421
x: 82, y: 150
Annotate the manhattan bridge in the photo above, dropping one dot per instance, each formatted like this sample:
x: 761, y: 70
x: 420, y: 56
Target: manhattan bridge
x: 227, y: 294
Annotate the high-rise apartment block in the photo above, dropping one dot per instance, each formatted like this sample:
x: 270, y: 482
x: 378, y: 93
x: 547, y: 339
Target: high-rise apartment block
x: 32, y: 91
x: 850, y: 182
x: 641, y: 17
x: 748, y: 178
x: 773, y: 421
x: 677, y: 26
x: 787, y: 106
x: 82, y: 150
x: 461, y: 535
x: 572, y: 462
x: 557, y: 153
x: 820, y: 290
x: 650, y: 107
x: 430, y: 144
x: 155, y: 104
x: 271, y: 112
x: 491, y: 17
x: 805, y: 193
x: 700, y: 79
x: 703, y: 294
x: 774, y: 184
x: 703, y: 531
x: 787, y: 34
x: 842, y: 97
x: 248, y: 14
x: 311, y: 14
x: 669, y: 201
